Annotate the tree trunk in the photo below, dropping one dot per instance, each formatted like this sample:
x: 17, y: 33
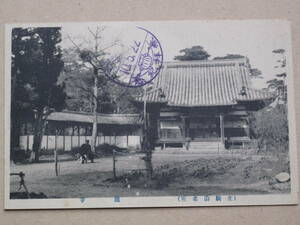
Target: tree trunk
x: 38, y: 136
x: 94, y: 134
x: 146, y: 144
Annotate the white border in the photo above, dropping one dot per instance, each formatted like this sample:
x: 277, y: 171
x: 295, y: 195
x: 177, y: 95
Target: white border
x: 133, y: 202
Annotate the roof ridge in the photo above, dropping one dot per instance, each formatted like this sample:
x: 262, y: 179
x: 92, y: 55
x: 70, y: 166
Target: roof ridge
x: 210, y: 62
x: 98, y: 114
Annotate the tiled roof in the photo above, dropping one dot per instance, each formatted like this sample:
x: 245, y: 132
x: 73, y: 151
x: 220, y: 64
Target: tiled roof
x: 205, y: 83
x: 121, y: 119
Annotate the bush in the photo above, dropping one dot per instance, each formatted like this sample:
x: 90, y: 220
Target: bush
x: 270, y: 127
x: 19, y: 155
x: 103, y: 149
x: 23, y: 195
x: 44, y: 151
x: 107, y: 149
x: 75, y: 151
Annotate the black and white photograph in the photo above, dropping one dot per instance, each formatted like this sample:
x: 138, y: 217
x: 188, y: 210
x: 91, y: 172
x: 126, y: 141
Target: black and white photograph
x: 149, y: 114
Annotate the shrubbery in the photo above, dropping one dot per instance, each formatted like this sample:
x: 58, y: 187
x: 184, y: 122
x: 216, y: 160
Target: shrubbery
x: 102, y: 150
x: 107, y: 149
x: 270, y: 127
x: 19, y: 155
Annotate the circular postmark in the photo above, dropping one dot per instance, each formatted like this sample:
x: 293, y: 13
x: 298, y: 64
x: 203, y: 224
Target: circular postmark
x: 142, y: 62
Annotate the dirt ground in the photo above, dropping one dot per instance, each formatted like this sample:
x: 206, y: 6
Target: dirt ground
x: 174, y: 174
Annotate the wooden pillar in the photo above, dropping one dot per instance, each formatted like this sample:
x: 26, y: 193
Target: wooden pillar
x: 27, y: 137
x: 222, y: 128
x: 248, y: 127
x: 183, y: 118
x: 185, y: 143
x: 85, y: 132
x: 72, y: 136
x: 187, y: 128
x: 64, y: 138
x: 158, y: 128
x: 78, y: 129
x: 47, y: 142
x: 55, y: 140
x: 46, y: 132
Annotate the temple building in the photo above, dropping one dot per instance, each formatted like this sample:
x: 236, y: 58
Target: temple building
x: 205, y: 104
x: 193, y: 105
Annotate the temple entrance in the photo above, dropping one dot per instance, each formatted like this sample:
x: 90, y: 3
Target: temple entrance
x: 204, y: 128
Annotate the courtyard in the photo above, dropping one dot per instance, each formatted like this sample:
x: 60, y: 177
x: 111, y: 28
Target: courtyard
x: 187, y: 174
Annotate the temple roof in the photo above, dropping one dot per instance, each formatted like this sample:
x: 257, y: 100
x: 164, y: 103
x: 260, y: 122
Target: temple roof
x: 206, y: 83
x: 119, y: 119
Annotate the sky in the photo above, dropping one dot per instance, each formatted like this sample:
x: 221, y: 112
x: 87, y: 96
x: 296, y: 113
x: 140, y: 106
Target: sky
x: 255, y: 39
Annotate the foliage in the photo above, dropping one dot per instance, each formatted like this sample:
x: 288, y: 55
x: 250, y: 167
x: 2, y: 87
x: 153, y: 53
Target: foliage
x: 19, y: 155
x: 107, y: 149
x: 279, y: 51
x: 23, y: 195
x: 278, y: 84
x: 254, y: 72
x: 230, y: 56
x: 102, y: 150
x: 270, y: 127
x: 36, y: 66
x: 193, y: 53
x: 79, y: 72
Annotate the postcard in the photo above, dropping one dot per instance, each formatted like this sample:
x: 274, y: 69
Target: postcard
x: 149, y: 114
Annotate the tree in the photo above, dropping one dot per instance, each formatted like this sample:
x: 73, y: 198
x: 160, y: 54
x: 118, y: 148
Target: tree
x: 272, y: 136
x: 193, y: 53
x: 98, y: 64
x: 36, y: 66
x: 254, y: 72
x: 278, y: 84
x: 230, y: 56
x: 79, y: 86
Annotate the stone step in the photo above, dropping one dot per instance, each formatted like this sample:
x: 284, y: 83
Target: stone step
x: 201, y: 146
x: 190, y: 151
x: 205, y: 143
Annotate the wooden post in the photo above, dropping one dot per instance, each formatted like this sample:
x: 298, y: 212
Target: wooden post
x: 55, y: 155
x: 248, y: 127
x: 187, y: 127
x: 78, y: 128
x: 185, y: 144
x: 46, y: 133
x: 158, y: 128
x: 183, y: 127
x: 222, y: 128
x: 47, y: 142
x: 64, y: 139
x: 27, y: 137
x: 72, y: 137
x: 114, y: 165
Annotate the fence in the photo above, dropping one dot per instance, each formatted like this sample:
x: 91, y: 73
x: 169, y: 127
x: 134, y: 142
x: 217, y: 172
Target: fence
x: 66, y: 143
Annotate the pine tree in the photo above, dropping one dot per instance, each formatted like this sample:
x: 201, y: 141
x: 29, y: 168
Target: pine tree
x: 36, y: 66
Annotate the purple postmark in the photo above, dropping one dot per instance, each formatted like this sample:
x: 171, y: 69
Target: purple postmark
x: 141, y: 63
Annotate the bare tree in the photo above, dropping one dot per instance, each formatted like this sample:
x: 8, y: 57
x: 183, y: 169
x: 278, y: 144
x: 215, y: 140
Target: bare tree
x: 94, y: 56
